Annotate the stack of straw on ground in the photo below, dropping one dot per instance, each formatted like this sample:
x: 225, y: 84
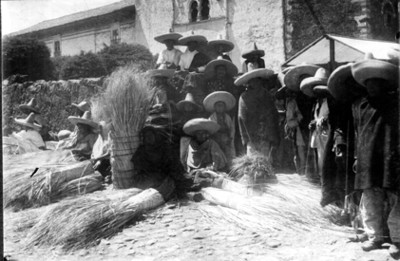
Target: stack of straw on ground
x: 46, y: 177
x: 125, y: 105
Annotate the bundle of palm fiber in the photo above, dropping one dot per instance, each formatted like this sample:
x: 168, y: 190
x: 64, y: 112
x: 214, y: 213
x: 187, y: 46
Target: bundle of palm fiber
x: 291, y: 202
x: 252, y: 169
x: 27, y: 188
x: 125, y: 104
x: 82, y: 222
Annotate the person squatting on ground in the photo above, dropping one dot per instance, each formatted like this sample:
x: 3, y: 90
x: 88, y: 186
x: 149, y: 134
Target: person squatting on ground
x: 28, y: 138
x: 377, y: 166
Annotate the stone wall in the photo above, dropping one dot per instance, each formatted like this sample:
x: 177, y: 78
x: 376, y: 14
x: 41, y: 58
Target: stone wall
x: 54, y: 100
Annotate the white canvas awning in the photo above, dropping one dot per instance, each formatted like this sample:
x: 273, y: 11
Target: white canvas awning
x: 337, y: 49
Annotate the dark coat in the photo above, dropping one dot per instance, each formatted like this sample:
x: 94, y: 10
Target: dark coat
x: 376, y: 125
x: 258, y: 117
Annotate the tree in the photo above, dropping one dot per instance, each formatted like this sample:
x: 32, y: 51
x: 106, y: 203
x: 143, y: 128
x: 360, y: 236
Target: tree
x: 82, y: 66
x: 122, y: 54
x: 26, y: 56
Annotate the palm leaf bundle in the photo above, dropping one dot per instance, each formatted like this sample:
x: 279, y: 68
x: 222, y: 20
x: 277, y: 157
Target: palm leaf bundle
x: 125, y: 104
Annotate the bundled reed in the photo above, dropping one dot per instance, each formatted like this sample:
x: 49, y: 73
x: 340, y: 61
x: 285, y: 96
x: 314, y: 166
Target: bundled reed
x: 80, y: 223
x: 25, y: 189
x: 252, y: 169
x: 125, y: 104
x: 291, y: 202
x: 79, y: 186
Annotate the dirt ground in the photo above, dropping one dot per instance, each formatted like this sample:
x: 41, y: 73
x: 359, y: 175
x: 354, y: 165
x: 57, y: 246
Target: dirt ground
x: 180, y: 230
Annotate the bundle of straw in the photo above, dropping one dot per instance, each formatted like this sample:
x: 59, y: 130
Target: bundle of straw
x: 252, y: 169
x: 125, y: 104
x: 22, y: 190
x: 292, y: 202
x: 82, y: 222
x: 79, y: 186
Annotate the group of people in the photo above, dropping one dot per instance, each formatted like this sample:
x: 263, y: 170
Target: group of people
x: 342, y: 126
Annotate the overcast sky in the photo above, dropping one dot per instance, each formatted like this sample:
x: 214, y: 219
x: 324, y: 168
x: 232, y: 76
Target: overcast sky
x: 20, y: 14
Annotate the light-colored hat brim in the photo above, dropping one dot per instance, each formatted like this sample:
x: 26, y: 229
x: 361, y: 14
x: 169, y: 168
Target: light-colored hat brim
x: 63, y: 134
x: 209, y: 71
x: 217, y: 96
x: 320, y: 90
x: 257, y: 73
x: 307, y: 85
x: 369, y: 69
x: 75, y: 120
x: 170, y: 36
x: 227, y: 46
x: 192, y: 38
x: 168, y: 73
x: 197, y: 124
x: 292, y: 77
x: 24, y: 123
x: 83, y: 108
x: 28, y: 109
x: 249, y: 53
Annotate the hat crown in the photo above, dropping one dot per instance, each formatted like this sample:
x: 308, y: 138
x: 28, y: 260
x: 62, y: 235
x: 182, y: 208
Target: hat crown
x: 87, y: 116
x: 30, y: 118
x: 321, y: 73
x: 189, y: 97
x: 32, y: 102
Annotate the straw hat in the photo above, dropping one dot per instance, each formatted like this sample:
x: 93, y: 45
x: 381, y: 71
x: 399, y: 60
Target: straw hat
x: 209, y: 71
x: 253, y: 51
x: 341, y: 81
x: 197, y: 124
x: 82, y: 106
x: 170, y: 36
x: 371, y: 68
x: 85, y: 119
x: 63, y: 134
x: 215, y: 97
x: 292, y: 77
x: 29, y: 122
x: 192, y: 38
x: 29, y: 107
x: 320, y: 78
x: 190, y: 100
x: 162, y: 71
x: 257, y: 73
x: 227, y: 45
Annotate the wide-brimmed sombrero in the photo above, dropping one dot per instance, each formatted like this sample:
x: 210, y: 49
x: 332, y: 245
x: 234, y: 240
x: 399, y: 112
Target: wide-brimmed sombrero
x: 188, y: 99
x: 226, y: 45
x: 29, y: 107
x: 197, y: 124
x: 192, y: 38
x: 292, y: 77
x: 63, y: 134
x: 231, y: 69
x: 217, y: 96
x: 371, y: 68
x: 257, y: 73
x: 82, y: 106
x: 170, y: 36
x: 341, y: 82
x: 320, y: 78
x: 255, y: 51
x: 29, y: 122
x: 85, y: 119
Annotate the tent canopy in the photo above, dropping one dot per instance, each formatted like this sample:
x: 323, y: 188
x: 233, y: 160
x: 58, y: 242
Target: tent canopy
x: 337, y: 49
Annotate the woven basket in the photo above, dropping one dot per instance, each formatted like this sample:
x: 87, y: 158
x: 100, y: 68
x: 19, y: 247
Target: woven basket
x: 122, y: 150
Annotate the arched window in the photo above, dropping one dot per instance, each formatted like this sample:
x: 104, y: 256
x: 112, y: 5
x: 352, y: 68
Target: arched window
x: 205, y: 10
x: 194, y: 10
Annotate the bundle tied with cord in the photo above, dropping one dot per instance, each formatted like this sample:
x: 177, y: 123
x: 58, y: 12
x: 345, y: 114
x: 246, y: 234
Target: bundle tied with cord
x: 125, y: 104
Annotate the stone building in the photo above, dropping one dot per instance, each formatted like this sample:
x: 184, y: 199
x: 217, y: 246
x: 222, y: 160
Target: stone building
x: 280, y: 27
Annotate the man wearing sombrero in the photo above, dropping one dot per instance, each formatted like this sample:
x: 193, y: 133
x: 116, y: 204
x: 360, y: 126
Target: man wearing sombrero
x: 28, y: 138
x: 378, y: 163
x: 258, y: 116
x: 200, y: 152
x: 171, y: 56
x: 192, y: 60
x: 219, y: 74
x: 82, y: 140
x: 159, y: 79
x: 253, y: 59
x: 220, y: 47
